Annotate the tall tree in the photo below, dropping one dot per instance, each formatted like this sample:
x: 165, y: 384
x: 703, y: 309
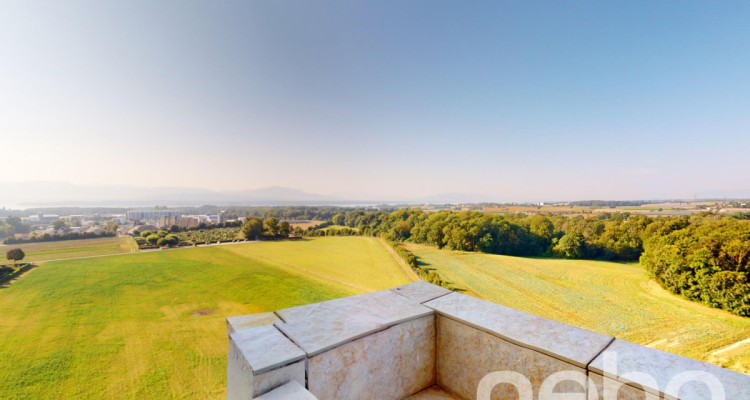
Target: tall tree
x: 15, y: 255
x: 272, y: 224
x: 252, y: 228
x: 58, y: 224
x: 284, y: 229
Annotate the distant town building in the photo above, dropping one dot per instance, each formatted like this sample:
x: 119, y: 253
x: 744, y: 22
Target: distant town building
x: 189, y: 221
x: 44, y: 219
x: 137, y: 215
x: 141, y: 228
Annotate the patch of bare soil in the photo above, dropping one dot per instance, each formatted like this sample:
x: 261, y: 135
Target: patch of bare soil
x: 198, y: 313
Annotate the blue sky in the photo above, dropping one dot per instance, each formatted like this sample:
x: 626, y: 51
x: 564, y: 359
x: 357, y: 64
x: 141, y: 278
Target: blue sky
x: 518, y: 100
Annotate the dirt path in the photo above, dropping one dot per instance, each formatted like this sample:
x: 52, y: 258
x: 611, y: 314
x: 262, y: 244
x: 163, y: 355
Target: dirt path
x: 731, y: 347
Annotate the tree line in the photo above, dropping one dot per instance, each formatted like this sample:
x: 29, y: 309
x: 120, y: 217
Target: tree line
x: 48, y: 237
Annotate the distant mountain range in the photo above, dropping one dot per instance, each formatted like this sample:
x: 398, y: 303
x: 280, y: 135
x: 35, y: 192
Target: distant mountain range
x: 49, y: 194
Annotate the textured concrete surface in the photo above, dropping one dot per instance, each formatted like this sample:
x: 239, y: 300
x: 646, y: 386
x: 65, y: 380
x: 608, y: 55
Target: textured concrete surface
x: 616, y: 390
x: 663, y: 367
x: 574, y: 345
x: 242, y: 322
x: 322, y: 326
x: 465, y: 355
x: 265, y: 348
x: 386, y: 365
x: 433, y: 393
x: 290, y: 391
x: 261, y: 359
x: 239, y: 375
x: 278, y: 377
x: 421, y: 291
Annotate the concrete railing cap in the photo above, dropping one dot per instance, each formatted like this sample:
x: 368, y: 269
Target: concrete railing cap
x: 265, y: 348
x: 662, y: 366
x: 321, y: 326
x: 242, y: 322
x: 565, y: 342
x: 421, y: 291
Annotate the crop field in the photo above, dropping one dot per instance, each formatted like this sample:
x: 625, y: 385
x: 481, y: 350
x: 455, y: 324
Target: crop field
x: 151, y: 325
x: 63, y: 249
x: 210, y: 235
x: 611, y: 298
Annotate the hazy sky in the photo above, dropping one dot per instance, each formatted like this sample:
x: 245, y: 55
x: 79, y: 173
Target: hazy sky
x: 519, y: 100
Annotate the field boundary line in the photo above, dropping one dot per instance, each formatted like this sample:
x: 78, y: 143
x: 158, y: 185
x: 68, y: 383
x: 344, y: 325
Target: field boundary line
x: 410, y: 272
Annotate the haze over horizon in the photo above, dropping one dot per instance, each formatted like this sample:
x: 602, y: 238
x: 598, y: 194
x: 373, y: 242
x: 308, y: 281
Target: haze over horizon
x: 386, y: 100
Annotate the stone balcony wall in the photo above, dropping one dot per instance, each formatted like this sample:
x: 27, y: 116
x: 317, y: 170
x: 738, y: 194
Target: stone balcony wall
x: 421, y: 342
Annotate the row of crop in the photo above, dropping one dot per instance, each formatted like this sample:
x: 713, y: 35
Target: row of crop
x: 210, y: 235
x: 426, y: 274
x: 162, y: 238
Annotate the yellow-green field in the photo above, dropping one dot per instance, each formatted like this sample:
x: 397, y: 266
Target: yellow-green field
x: 36, y: 252
x: 611, y: 298
x: 151, y: 325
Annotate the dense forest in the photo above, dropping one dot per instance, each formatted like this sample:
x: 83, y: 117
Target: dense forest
x: 706, y: 262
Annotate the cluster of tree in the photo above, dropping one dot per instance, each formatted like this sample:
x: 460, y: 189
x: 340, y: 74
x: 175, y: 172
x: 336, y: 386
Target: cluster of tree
x: 739, y: 204
x: 740, y: 215
x: 331, y: 231
x: 7, y: 272
x: 254, y: 228
x: 160, y: 238
x: 707, y: 262
x: 47, y: 237
x: 193, y: 237
x: 12, y: 225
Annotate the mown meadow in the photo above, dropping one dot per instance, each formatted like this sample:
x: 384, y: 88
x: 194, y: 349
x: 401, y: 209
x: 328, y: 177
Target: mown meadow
x: 612, y: 298
x: 152, y: 325
x: 44, y: 251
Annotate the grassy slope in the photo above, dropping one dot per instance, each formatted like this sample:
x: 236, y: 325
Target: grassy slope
x: 611, y: 298
x: 122, y: 326
x: 73, y: 248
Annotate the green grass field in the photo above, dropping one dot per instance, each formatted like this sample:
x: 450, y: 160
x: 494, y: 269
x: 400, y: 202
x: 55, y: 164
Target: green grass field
x: 36, y: 252
x: 151, y: 325
x: 611, y: 298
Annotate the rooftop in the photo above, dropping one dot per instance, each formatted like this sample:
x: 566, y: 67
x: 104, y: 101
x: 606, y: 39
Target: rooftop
x: 421, y: 341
